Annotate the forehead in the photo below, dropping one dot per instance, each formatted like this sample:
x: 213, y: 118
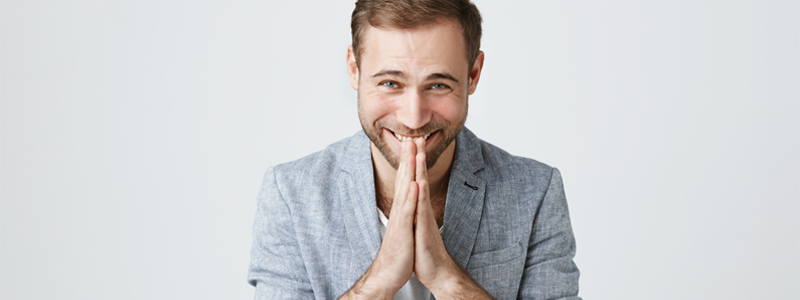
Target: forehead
x: 439, y: 45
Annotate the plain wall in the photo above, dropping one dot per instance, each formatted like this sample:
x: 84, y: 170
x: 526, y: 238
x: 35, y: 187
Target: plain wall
x: 135, y: 135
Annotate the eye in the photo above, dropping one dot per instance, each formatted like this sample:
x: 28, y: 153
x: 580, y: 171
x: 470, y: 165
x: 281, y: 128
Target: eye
x: 389, y: 84
x: 438, y: 86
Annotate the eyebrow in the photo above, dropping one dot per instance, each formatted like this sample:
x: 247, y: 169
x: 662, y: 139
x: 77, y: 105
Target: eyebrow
x: 403, y: 75
x: 442, y: 76
x: 390, y: 73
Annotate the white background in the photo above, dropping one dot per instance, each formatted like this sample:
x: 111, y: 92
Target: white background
x: 135, y: 134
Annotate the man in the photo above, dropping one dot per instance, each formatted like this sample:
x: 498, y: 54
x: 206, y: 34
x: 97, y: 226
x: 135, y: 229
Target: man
x: 415, y: 205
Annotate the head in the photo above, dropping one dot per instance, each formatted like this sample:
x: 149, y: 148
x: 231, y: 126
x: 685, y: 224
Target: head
x: 414, y: 65
x: 410, y: 14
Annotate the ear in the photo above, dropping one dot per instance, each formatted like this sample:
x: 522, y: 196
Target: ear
x: 352, y: 68
x: 475, y: 73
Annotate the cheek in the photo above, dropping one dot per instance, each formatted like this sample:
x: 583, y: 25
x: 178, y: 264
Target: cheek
x: 376, y: 102
x: 451, y: 110
x: 375, y: 105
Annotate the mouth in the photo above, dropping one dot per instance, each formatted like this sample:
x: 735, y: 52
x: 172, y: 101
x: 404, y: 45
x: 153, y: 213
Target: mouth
x: 412, y: 138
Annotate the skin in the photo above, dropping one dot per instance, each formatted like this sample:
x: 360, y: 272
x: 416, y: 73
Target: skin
x: 413, y: 82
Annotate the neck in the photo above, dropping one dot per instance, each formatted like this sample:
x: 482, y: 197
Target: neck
x: 438, y: 178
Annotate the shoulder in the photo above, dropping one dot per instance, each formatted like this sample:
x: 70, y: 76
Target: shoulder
x: 501, y: 165
x: 316, y: 170
x: 315, y: 162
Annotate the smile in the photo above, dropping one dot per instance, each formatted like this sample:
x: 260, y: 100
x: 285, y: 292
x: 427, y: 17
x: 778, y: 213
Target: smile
x: 401, y: 137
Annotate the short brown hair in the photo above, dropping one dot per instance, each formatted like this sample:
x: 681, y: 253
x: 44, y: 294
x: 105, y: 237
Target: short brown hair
x: 407, y: 14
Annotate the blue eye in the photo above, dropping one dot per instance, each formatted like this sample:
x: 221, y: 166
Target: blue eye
x: 390, y: 84
x: 438, y: 86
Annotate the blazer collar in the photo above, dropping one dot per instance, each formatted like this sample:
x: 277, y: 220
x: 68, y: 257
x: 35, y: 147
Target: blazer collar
x: 469, y: 156
x: 465, y: 196
x: 357, y: 195
x: 463, y: 210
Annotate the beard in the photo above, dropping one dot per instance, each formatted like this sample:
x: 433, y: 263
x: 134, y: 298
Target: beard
x: 448, y: 131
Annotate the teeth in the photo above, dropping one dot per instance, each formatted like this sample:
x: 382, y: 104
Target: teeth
x: 408, y: 138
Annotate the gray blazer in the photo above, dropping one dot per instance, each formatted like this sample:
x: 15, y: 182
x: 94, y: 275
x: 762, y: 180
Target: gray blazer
x: 506, y: 222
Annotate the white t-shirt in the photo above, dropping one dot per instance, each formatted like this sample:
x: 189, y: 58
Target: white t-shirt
x: 413, y: 289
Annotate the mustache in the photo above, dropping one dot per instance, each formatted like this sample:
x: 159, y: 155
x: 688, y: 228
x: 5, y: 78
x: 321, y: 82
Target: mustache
x: 399, y: 128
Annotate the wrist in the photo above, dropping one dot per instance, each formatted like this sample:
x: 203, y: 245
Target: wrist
x: 373, y: 289
x: 447, y: 278
x: 456, y: 283
x: 444, y: 284
x: 369, y: 286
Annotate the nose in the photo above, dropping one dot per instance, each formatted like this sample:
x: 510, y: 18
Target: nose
x: 414, y: 111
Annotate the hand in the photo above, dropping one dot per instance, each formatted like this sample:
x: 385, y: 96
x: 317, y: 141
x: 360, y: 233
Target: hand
x: 432, y: 263
x: 395, y: 261
x: 412, y: 241
x: 433, y: 266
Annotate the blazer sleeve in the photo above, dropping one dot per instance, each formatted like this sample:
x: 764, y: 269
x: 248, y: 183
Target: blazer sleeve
x: 550, y: 272
x: 276, y: 268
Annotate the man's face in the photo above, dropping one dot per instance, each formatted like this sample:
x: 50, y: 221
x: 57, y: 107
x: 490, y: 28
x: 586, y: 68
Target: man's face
x: 413, y: 84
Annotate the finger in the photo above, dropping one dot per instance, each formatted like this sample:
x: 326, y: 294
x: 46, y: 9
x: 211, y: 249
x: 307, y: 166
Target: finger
x: 402, y: 177
x: 424, y: 210
x: 399, y: 193
x: 423, y: 200
x: 409, y: 158
x: 421, y: 165
x: 411, y: 202
x: 422, y: 177
x: 407, y: 162
x: 403, y: 180
x: 423, y: 230
x: 420, y: 168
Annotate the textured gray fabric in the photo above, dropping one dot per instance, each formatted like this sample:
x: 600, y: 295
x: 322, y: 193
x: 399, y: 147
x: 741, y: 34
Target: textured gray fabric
x: 506, y: 221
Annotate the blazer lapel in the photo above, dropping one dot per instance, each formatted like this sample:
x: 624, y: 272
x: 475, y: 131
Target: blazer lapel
x: 357, y: 195
x: 465, y: 196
